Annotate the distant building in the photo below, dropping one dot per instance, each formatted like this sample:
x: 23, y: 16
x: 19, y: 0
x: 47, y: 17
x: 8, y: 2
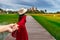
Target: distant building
x: 32, y: 8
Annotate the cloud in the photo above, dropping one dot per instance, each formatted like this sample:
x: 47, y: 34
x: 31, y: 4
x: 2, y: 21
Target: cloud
x: 11, y: 5
x: 41, y: 4
x: 55, y: 3
x: 29, y: 1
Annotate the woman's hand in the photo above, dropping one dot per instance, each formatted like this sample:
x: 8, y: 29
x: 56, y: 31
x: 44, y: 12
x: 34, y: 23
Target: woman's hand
x: 12, y: 27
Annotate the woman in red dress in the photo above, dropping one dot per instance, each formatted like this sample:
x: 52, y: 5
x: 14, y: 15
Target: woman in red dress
x: 21, y: 33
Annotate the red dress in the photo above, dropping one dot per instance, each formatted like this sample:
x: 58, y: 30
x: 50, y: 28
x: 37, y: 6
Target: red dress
x: 21, y: 33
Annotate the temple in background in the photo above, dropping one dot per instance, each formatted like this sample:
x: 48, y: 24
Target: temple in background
x: 32, y: 8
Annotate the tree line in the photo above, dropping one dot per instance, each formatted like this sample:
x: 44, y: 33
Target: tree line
x: 29, y: 11
x: 7, y: 12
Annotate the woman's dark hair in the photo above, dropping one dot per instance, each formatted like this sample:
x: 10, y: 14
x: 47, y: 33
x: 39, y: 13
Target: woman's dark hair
x: 20, y: 17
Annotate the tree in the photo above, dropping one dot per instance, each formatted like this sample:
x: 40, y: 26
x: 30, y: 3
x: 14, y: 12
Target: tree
x: 45, y: 10
x: 58, y: 12
x: 42, y: 11
x: 1, y: 9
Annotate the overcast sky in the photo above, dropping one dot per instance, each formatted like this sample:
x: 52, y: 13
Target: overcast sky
x: 50, y: 5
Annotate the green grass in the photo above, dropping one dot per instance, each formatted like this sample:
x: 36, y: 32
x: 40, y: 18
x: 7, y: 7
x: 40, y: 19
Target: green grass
x: 8, y: 18
x: 50, y: 23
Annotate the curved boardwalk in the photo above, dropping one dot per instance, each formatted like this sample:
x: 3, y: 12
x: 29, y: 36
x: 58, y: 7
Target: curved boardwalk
x: 35, y: 31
